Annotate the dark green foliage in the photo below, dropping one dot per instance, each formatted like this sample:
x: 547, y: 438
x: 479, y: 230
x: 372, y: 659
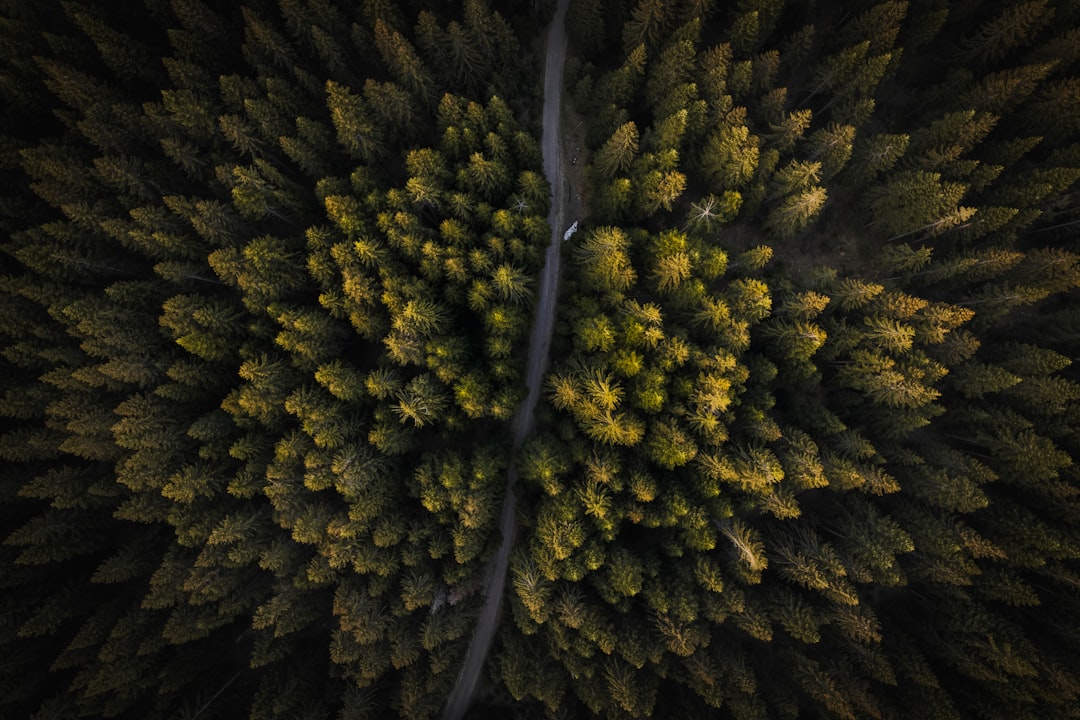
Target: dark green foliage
x: 244, y: 364
x: 807, y: 444
x: 805, y: 404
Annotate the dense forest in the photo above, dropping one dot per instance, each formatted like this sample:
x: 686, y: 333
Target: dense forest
x: 807, y: 437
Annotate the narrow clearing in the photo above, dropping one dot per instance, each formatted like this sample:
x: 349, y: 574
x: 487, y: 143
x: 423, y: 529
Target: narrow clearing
x: 539, y: 342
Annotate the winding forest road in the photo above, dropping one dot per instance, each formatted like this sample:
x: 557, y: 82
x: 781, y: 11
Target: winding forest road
x: 539, y: 344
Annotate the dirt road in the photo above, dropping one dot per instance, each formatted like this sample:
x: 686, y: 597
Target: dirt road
x: 539, y: 342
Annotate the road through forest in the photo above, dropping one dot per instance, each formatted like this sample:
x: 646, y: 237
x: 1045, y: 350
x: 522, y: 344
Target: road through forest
x: 539, y: 343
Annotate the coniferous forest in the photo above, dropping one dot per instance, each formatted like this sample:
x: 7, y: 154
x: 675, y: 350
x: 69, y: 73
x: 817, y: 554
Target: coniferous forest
x: 805, y: 444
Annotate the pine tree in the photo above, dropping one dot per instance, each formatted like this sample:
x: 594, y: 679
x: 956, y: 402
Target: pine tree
x: 832, y: 146
x: 585, y: 23
x: 201, y: 326
x: 1014, y: 27
x: 747, y: 550
x: 878, y: 154
x: 648, y: 21
x: 603, y: 256
x: 795, y: 212
x: 661, y: 189
x: 731, y: 154
x: 403, y: 61
x: 1001, y: 92
x: 1058, y: 100
x: 356, y: 130
x: 786, y: 133
x: 618, y: 152
x: 916, y: 201
x: 745, y: 33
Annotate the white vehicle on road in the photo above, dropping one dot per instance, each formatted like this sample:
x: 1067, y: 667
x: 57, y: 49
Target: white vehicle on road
x: 570, y: 231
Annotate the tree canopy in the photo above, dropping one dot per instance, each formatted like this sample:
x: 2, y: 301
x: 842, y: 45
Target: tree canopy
x: 806, y: 443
